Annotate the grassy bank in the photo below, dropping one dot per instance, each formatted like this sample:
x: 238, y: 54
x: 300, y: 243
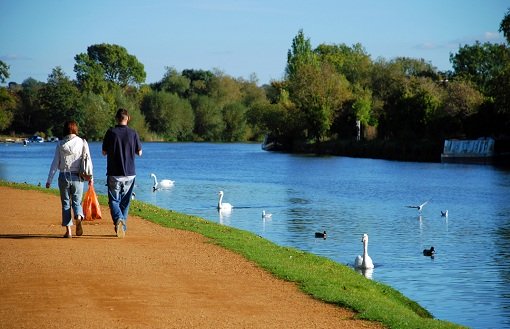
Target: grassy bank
x: 317, y: 276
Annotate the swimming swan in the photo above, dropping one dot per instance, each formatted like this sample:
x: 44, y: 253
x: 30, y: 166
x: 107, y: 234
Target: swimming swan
x: 364, y: 262
x: 266, y: 215
x: 223, y: 206
x: 164, y: 184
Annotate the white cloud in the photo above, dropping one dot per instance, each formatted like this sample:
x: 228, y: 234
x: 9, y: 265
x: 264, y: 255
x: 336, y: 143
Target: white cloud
x: 490, y: 36
x: 14, y: 57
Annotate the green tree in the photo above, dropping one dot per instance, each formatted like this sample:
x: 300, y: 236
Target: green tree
x: 481, y: 64
x: 28, y: 116
x: 224, y: 89
x: 113, y: 62
x: 353, y: 62
x: 199, y: 81
x: 252, y: 94
x: 412, y: 67
x: 462, y: 99
x: 209, y: 124
x: 300, y: 54
x: 169, y: 115
x: 387, y: 79
x: 173, y: 82
x: 461, y: 102
x: 284, y: 120
x: 97, y: 116
x: 362, y: 107
x: 504, y: 27
x: 234, y: 116
x: 4, y: 71
x: 318, y: 92
x: 8, y: 103
x: 488, y: 67
x: 255, y: 100
x: 408, y: 113
x: 137, y: 121
x: 59, y: 99
x: 90, y: 75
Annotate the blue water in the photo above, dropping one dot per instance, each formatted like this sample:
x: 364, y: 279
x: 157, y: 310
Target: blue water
x: 467, y: 282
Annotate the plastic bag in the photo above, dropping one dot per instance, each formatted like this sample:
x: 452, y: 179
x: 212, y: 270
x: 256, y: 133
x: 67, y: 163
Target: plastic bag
x: 90, y: 205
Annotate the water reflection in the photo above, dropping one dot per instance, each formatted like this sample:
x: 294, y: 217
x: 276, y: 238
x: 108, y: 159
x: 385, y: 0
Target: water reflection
x: 367, y: 272
x: 224, y: 216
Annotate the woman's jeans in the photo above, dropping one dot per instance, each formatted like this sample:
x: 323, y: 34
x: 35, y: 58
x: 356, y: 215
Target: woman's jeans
x: 71, y: 192
x: 119, y: 197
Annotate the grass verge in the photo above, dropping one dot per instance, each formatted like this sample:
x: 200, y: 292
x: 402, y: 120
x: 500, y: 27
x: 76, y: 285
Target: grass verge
x: 317, y: 276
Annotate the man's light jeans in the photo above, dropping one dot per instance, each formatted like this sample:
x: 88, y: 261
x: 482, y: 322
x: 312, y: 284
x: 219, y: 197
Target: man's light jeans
x: 120, y: 189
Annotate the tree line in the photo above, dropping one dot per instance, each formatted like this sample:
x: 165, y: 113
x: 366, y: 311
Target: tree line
x: 325, y: 94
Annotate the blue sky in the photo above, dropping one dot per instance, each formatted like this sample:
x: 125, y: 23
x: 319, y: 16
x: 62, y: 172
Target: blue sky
x: 238, y: 37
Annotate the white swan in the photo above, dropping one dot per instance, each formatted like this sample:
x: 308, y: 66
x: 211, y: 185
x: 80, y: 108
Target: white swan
x: 364, y: 262
x: 223, y: 206
x: 266, y: 215
x: 164, y: 184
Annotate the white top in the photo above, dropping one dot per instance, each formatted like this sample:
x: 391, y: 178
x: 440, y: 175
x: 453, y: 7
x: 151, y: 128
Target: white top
x: 68, y: 155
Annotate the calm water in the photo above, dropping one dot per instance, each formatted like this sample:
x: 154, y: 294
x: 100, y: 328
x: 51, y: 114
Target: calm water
x: 467, y: 282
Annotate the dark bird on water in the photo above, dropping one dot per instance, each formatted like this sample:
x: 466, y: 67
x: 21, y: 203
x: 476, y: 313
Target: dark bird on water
x: 321, y: 235
x: 429, y: 252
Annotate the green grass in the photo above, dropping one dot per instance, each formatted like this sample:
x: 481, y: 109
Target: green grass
x: 317, y: 276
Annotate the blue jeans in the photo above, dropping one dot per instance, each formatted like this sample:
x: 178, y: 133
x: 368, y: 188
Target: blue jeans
x: 119, y: 197
x: 71, y: 192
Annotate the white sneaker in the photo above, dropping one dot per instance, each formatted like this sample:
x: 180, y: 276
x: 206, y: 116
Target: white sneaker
x: 79, y: 228
x: 119, y: 229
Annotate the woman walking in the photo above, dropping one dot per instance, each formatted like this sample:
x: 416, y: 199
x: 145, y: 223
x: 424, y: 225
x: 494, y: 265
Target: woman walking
x: 67, y: 158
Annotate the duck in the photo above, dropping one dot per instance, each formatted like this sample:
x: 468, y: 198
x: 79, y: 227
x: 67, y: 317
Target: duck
x: 223, y: 206
x: 429, y: 252
x: 444, y: 213
x: 163, y: 184
x: 321, y: 235
x: 364, y: 262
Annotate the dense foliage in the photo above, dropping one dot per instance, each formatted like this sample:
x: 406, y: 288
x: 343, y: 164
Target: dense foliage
x: 326, y: 93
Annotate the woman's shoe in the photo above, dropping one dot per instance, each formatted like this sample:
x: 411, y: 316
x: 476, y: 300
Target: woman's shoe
x: 79, y: 228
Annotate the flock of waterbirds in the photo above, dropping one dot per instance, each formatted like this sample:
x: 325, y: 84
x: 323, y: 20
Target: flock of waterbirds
x: 361, y: 262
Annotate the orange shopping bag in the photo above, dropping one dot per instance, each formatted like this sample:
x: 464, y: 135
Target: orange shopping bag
x: 90, y: 204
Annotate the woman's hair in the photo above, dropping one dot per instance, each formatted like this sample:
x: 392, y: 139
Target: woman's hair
x: 70, y: 127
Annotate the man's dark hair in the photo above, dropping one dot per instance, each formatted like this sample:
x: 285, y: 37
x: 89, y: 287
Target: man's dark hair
x: 122, y: 114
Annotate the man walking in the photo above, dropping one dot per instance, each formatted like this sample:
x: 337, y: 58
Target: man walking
x: 120, y: 144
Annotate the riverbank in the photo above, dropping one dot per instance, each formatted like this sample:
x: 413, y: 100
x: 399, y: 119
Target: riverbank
x: 422, y: 151
x: 213, y: 297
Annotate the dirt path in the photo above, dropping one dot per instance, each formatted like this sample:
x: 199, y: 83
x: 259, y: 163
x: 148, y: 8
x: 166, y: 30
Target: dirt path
x: 154, y: 278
